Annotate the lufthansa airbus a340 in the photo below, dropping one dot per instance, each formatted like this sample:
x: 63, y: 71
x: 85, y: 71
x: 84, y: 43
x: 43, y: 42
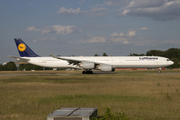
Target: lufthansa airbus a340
x: 104, y: 64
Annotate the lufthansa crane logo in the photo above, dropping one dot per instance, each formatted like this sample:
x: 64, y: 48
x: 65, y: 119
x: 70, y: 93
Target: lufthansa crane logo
x: 22, y: 47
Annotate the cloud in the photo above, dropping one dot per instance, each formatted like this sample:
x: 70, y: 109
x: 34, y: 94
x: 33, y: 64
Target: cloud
x: 101, y: 10
x: 146, y: 3
x: 126, y: 42
x: 116, y: 34
x: 96, y: 12
x: 93, y: 12
x: 93, y: 40
x: 162, y: 10
x: 112, y: 3
x: 44, y: 39
x: 114, y: 38
x: 89, y: 35
x: 131, y: 33
x: 121, y: 34
x: 57, y: 29
x: 67, y: 12
x: 125, y: 12
x: 33, y: 29
x: 82, y: 1
x: 120, y: 40
x: 143, y: 28
x: 125, y: 38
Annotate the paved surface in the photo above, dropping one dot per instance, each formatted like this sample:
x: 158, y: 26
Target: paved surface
x: 31, y: 74
x: 65, y: 74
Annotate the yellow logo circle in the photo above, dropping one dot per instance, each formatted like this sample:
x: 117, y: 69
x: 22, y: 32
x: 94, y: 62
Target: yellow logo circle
x: 21, y: 47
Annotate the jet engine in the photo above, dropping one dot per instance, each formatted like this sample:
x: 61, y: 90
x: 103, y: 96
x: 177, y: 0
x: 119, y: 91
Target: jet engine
x: 87, y: 65
x: 106, y: 68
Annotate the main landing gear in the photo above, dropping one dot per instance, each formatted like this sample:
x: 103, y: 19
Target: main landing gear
x: 87, y: 72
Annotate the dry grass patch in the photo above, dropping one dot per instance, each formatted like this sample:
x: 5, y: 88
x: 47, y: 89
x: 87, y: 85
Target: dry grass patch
x: 139, y: 96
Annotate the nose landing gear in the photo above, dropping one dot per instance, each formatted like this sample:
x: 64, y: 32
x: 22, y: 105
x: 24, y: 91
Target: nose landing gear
x: 159, y: 71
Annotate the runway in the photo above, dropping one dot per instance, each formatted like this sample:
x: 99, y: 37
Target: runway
x: 95, y: 73
x: 45, y: 74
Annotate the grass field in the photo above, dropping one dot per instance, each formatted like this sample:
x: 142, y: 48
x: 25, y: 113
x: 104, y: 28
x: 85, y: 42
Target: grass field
x: 139, y: 96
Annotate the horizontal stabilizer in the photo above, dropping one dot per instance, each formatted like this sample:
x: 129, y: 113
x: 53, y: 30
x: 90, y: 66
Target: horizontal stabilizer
x: 19, y: 58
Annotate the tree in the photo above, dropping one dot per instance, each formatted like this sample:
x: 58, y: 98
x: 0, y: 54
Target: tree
x: 10, y: 66
x: 31, y: 67
x: 176, y: 63
x: 155, y: 53
x: 96, y: 54
x: 1, y: 67
x: 104, y: 54
x: 171, y: 53
x: 135, y: 54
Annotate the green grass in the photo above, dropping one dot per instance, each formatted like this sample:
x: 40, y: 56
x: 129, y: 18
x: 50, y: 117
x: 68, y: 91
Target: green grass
x: 82, y: 99
x: 139, y: 96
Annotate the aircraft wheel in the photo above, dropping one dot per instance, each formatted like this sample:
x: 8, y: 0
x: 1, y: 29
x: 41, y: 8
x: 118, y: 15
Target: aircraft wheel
x: 159, y: 71
x: 83, y: 72
x: 87, y: 72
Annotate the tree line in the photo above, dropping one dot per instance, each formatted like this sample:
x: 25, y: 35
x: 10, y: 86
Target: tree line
x: 10, y: 66
x: 172, y: 53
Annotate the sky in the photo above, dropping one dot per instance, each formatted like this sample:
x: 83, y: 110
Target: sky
x: 89, y: 27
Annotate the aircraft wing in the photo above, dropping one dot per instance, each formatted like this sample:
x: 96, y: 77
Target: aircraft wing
x: 70, y: 61
x: 20, y: 58
x: 75, y: 62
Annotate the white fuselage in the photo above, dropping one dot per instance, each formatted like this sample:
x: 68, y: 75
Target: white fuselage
x: 115, y: 62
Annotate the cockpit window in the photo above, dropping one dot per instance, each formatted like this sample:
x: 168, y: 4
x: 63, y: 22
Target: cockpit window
x: 168, y: 60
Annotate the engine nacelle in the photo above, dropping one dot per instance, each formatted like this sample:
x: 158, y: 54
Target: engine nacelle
x: 106, y: 68
x: 87, y: 65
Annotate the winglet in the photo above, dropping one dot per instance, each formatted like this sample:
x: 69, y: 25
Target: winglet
x: 52, y: 55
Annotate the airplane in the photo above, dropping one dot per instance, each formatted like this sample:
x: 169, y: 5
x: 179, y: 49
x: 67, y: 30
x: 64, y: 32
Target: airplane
x: 104, y: 64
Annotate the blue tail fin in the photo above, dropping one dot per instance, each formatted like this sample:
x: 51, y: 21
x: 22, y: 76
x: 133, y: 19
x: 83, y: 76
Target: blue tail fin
x: 24, y: 50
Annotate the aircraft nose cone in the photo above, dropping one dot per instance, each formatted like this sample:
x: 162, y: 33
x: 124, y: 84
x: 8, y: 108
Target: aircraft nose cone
x: 172, y: 63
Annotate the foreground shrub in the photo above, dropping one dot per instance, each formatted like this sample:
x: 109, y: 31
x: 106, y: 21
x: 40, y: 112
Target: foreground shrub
x: 110, y: 116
